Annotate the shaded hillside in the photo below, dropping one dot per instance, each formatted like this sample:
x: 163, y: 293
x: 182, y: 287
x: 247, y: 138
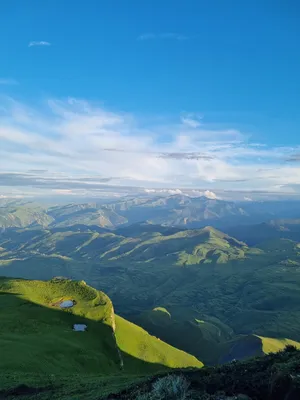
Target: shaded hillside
x: 87, y: 214
x: 23, y: 215
x: 178, y: 210
x: 175, y: 210
x: 168, y: 210
x: 272, y: 377
x: 202, y: 272
x: 274, y: 229
x: 185, y: 247
x: 42, y: 357
x: 206, y: 337
x: 38, y: 341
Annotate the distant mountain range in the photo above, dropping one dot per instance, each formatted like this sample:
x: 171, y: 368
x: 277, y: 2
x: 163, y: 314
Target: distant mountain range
x: 195, y: 275
x: 174, y: 210
x: 273, y: 229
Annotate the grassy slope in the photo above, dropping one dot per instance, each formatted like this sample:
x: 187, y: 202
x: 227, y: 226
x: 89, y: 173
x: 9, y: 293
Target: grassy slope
x: 248, y: 346
x: 186, y: 247
x: 32, y: 328
x: 188, y: 330
x: 207, y: 338
x: 39, y: 347
x: 257, y: 293
x: 134, y: 341
x: 25, y: 215
x: 272, y: 345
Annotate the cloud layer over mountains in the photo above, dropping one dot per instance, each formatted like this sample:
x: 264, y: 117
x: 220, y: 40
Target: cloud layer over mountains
x: 79, y: 146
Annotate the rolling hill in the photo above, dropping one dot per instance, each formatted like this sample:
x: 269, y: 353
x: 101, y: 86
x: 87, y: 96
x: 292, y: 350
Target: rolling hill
x: 178, y: 210
x: 180, y: 247
x: 266, y: 231
x: 172, y: 210
x: 168, y: 210
x: 23, y: 215
x: 207, y: 280
x: 39, y: 345
x: 206, y: 337
x: 251, y: 290
x: 43, y: 357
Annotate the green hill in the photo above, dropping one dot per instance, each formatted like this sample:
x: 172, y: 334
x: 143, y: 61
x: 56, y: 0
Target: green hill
x: 206, y: 337
x: 23, y: 215
x: 248, y: 346
x: 266, y: 231
x: 178, y: 210
x: 184, y: 247
x: 38, y: 342
x: 173, y: 210
x: 203, y: 336
x: 203, y: 272
x: 87, y: 214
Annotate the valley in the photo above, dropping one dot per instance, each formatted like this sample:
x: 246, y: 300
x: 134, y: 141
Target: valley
x: 183, y: 297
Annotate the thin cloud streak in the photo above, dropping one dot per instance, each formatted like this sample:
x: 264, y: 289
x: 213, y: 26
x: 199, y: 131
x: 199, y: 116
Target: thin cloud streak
x: 38, y: 43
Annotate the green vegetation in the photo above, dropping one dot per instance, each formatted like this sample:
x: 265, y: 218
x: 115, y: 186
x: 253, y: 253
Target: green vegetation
x: 207, y: 338
x: 274, y: 377
x: 40, y: 348
x: 187, y: 247
x: 267, y: 231
x: 251, y: 291
x: 134, y: 341
x: 200, y: 335
x: 167, y: 210
x: 23, y: 215
x: 271, y: 345
x: 209, y: 295
x: 169, y: 387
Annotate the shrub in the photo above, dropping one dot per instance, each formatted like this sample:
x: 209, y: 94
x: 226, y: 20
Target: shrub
x: 289, y: 348
x: 171, y: 387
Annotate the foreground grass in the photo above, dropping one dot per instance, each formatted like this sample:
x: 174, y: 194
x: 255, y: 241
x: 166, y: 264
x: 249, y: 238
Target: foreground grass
x: 56, y: 387
x: 272, y: 377
x: 42, y: 356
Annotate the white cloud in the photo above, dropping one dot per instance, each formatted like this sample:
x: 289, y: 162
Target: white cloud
x: 163, y: 191
x: 8, y: 81
x: 191, y: 120
x: 92, y: 148
x: 210, y: 195
x: 38, y: 43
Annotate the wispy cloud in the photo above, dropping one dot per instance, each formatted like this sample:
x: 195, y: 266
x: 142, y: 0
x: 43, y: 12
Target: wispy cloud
x: 164, y: 35
x: 8, y: 81
x: 191, y: 119
x: 38, y: 43
x: 65, y: 143
x: 186, y: 156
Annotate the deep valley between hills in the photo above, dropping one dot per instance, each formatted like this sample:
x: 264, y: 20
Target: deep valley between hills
x: 206, y: 295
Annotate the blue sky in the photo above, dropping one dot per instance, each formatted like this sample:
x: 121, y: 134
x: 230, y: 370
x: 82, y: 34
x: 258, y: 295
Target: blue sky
x: 156, y: 94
